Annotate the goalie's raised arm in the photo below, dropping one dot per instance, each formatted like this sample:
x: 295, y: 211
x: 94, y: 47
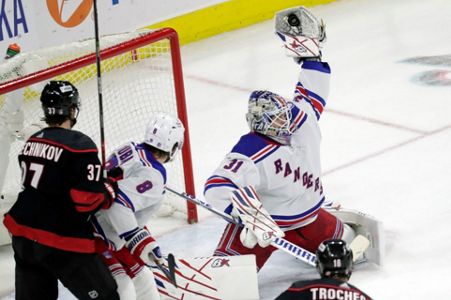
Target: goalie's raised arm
x: 303, y: 37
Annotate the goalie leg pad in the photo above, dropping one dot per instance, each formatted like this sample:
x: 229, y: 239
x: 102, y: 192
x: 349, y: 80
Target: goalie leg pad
x: 358, y: 243
x: 370, y: 228
x: 228, y: 278
x: 348, y: 233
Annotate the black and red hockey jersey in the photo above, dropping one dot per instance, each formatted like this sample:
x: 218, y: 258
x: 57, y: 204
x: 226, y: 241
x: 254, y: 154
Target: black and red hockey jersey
x: 62, y: 188
x: 322, y: 289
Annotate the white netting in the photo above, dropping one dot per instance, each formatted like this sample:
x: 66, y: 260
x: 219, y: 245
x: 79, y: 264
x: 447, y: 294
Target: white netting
x: 134, y: 84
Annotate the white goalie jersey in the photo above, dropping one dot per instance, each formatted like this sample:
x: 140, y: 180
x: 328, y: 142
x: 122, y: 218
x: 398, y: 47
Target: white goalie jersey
x: 287, y: 178
x: 141, y: 180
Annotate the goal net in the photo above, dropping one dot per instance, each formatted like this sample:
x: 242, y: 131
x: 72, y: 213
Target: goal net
x: 141, y: 74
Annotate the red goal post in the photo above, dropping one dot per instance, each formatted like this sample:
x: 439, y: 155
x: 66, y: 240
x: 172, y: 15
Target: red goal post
x: 141, y: 74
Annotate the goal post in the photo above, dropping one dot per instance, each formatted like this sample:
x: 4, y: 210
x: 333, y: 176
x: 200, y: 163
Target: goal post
x: 141, y: 74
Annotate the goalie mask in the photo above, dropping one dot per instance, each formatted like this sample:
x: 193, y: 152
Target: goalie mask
x: 58, y: 98
x: 270, y: 115
x: 165, y: 133
x: 334, y: 258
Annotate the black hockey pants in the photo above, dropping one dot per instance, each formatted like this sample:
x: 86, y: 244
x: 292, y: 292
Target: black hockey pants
x: 38, y: 269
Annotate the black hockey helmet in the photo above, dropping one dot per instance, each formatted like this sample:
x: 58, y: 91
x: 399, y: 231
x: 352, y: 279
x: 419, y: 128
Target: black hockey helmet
x: 58, y: 97
x: 334, y: 258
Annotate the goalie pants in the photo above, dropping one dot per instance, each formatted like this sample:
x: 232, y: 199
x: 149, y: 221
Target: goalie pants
x: 326, y: 226
x: 38, y: 269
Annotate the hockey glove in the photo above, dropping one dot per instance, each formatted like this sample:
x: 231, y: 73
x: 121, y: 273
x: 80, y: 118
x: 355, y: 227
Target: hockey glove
x: 259, y: 227
x: 301, y: 32
x: 110, y: 193
x: 144, y: 247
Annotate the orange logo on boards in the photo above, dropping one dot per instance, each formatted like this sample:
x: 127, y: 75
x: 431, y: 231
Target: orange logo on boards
x: 77, y: 17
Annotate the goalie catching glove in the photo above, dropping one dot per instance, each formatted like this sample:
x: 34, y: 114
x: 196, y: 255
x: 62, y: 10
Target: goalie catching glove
x: 301, y: 32
x: 259, y: 227
x: 144, y: 247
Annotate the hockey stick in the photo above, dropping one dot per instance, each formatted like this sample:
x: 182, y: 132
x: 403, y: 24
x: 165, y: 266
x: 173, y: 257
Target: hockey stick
x: 280, y: 243
x: 99, y: 88
x: 169, y: 272
x: 171, y: 269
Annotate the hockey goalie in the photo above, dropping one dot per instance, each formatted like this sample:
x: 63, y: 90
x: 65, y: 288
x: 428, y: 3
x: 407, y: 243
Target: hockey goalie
x: 271, y: 179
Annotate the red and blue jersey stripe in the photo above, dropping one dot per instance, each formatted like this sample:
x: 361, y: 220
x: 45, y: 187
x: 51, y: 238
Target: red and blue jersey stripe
x: 218, y: 181
x: 313, y: 99
x: 124, y: 200
x: 288, y: 221
x: 298, y: 118
x: 147, y: 159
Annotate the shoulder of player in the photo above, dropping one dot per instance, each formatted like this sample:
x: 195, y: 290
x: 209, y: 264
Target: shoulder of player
x: 71, y: 140
x: 320, y: 282
x: 301, y: 284
x: 255, y: 146
x: 148, y: 161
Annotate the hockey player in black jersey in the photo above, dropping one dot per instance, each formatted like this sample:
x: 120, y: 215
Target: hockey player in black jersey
x: 50, y: 224
x: 334, y: 264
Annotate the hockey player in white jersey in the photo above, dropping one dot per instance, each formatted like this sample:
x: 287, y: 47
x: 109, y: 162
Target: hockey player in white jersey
x: 271, y: 179
x: 11, y: 113
x: 139, y: 172
x: 11, y: 118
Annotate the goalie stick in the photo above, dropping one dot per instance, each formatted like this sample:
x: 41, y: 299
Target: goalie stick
x: 280, y: 243
x: 357, y: 246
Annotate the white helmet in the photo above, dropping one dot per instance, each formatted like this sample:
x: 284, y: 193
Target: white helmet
x: 165, y: 133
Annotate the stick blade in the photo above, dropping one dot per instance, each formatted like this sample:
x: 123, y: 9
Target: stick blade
x: 171, y: 269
